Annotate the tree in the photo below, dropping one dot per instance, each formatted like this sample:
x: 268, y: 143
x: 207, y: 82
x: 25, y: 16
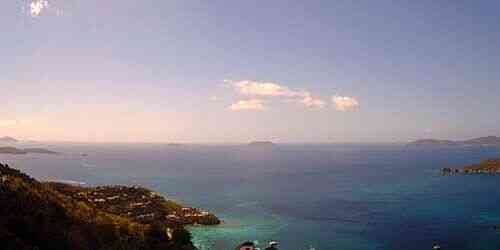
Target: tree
x: 181, y: 236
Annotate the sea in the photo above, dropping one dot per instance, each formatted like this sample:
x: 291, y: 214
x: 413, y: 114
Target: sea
x: 305, y: 196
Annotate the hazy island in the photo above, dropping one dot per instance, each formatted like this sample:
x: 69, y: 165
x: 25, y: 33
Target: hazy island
x: 8, y: 139
x: 13, y: 150
x: 481, y: 141
x: 261, y: 143
x: 37, y: 215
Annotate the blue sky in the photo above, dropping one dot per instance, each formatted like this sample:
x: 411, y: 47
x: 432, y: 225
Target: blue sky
x: 233, y: 71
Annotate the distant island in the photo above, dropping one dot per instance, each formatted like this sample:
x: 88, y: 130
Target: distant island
x: 16, y: 151
x: 261, y: 143
x: 490, y: 166
x: 12, y: 150
x: 40, y: 151
x: 481, y: 141
x: 8, y: 139
x: 38, y: 215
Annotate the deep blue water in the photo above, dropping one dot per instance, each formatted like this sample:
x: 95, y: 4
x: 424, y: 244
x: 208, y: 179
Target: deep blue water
x: 323, y: 196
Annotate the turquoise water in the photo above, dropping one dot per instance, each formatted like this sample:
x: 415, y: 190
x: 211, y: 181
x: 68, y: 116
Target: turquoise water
x: 321, y: 196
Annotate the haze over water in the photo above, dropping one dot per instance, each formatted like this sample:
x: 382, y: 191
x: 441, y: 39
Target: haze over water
x: 322, y: 196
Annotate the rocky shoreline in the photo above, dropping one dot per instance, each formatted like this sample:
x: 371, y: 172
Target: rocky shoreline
x: 490, y: 166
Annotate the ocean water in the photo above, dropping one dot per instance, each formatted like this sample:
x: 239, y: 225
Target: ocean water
x: 328, y: 197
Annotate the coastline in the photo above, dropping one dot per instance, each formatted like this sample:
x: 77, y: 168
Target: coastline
x: 100, y: 217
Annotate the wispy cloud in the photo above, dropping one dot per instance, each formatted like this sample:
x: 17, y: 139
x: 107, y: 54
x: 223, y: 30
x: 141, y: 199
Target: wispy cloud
x: 251, y: 104
x: 275, y: 90
x: 214, y: 98
x: 345, y: 103
x: 37, y: 6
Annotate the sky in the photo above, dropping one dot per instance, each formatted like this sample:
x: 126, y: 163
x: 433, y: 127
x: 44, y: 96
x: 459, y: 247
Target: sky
x: 237, y: 71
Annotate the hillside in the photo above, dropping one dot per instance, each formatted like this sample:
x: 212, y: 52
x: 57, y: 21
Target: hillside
x: 136, y: 203
x: 42, y: 216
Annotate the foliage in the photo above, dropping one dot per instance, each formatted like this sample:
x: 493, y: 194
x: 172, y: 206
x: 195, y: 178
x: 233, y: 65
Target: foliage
x: 36, y: 216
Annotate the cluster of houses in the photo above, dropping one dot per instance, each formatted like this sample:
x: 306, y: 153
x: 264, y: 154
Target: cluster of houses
x: 188, y: 215
x: 139, y: 204
x: 470, y: 170
x: 490, y: 166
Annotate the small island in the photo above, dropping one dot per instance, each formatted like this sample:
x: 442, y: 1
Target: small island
x: 8, y: 139
x: 16, y: 151
x: 433, y: 142
x: 261, y: 143
x: 12, y: 150
x: 40, y: 151
x: 490, y: 166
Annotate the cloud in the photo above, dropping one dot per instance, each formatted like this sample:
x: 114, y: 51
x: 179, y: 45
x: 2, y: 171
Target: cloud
x: 37, y: 6
x: 214, y: 98
x: 8, y: 123
x: 251, y: 104
x: 344, y: 103
x: 12, y: 123
x: 275, y: 90
x: 312, y: 102
x: 254, y: 88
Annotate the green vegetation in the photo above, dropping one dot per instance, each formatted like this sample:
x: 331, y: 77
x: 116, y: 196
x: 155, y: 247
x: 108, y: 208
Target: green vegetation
x: 138, y: 204
x: 37, y: 215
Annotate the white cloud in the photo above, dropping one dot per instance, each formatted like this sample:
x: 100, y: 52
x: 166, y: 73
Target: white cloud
x: 251, y: 104
x: 275, y: 90
x: 214, y: 98
x: 254, y: 88
x: 8, y: 123
x: 37, y: 6
x: 344, y: 103
x: 312, y: 102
